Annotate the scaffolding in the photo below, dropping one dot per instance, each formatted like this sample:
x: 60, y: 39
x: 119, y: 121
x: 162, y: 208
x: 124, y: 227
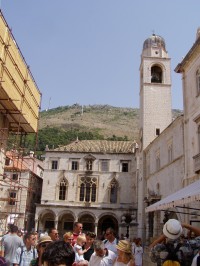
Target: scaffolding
x: 19, y: 115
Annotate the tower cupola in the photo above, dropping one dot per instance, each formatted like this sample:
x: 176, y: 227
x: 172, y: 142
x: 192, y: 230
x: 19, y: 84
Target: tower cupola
x: 154, y: 46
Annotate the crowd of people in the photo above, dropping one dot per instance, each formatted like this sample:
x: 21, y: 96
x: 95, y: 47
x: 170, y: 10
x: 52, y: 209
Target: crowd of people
x: 72, y: 249
x: 175, y: 248
x: 84, y: 249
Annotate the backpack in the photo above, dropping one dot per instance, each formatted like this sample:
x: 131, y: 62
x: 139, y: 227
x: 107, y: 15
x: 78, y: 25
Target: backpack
x: 106, y: 240
x: 172, y: 258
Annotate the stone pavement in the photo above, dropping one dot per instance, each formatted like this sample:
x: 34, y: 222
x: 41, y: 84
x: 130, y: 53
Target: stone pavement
x: 146, y: 259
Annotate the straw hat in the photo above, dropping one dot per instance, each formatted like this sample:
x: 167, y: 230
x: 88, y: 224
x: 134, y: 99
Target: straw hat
x: 172, y: 229
x: 44, y: 239
x: 124, y: 246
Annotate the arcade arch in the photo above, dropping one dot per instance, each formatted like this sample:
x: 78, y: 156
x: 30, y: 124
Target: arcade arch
x: 104, y: 222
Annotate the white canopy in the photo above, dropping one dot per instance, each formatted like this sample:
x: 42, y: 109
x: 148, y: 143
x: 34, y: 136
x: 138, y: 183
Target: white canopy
x: 183, y: 196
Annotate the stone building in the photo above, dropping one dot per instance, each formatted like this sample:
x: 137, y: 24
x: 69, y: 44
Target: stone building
x: 94, y: 182
x: 164, y: 173
x: 21, y: 189
x: 177, y: 183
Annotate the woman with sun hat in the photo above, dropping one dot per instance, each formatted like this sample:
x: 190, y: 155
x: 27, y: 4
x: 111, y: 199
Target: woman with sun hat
x: 124, y: 252
x: 43, y: 242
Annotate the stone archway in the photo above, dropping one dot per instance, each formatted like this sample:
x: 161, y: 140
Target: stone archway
x: 65, y: 222
x: 105, y: 222
x: 88, y: 223
x: 46, y: 220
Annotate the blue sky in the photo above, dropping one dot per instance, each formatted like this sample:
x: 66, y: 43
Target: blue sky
x: 88, y: 51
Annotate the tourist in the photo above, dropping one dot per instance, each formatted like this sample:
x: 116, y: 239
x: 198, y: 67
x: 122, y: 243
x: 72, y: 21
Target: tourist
x: 53, y: 233
x: 58, y: 253
x: 10, y: 244
x: 41, y: 245
x: 111, y: 241
x: 68, y: 237
x: 170, y: 245
x: 101, y: 256
x: 28, y: 252
x: 90, y: 237
x: 77, y: 230
x: 138, y: 252
x: 124, y: 254
x: 79, y: 251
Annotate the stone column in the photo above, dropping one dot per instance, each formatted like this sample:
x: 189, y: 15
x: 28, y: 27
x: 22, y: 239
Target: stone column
x: 56, y: 223
x: 95, y: 228
x: 36, y: 224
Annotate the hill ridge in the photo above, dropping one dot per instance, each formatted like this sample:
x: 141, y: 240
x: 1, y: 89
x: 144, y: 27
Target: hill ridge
x: 105, y: 119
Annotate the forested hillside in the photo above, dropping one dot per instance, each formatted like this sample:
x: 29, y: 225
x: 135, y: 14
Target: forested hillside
x: 62, y: 125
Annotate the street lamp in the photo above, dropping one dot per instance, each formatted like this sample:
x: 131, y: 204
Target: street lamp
x: 128, y: 220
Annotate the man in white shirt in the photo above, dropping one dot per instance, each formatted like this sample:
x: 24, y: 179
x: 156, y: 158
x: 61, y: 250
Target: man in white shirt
x: 101, y: 255
x: 111, y: 241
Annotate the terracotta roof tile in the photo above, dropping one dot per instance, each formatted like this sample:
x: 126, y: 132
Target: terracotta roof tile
x: 99, y: 146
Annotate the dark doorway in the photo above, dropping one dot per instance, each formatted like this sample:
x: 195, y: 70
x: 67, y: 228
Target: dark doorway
x: 106, y: 222
x: 88, y: 223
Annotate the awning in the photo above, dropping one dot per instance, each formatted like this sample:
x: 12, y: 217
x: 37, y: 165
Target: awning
x: 183, y: 196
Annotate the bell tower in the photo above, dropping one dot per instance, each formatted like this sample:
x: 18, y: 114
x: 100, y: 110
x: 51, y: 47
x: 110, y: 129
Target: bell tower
x: 155, y: 89
x: 155, y: 108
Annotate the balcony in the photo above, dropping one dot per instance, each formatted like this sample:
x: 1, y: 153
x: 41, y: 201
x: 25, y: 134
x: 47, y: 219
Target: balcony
x: 197, y: 163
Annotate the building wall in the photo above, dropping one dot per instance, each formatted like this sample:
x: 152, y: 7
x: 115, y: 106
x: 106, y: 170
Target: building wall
x: 21, y: 189
x: 168, y: 178
x: 52, y: 177
x: 191, y: 113
x: 72, y: 209
x: 184, y: 135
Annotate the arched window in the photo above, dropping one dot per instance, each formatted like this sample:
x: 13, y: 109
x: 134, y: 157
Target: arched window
x: 156, y: 74
x: 93, y: 198
x: 113, y: 191
x: 62, y: 189
x: 88, y: 190
x: 198, y: 81
x: 82, y: 192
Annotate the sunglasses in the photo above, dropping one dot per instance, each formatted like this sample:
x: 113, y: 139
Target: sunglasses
x: 71, y: 239
x: 44, y: 245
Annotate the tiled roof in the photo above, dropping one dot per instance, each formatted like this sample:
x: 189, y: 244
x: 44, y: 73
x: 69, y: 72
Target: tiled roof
x: 99, y: 146
x: 16, y: 162
x: 20, y: 163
